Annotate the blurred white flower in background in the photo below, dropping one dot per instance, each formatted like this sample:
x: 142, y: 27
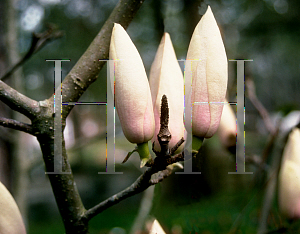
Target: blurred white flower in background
x: 31, y: 17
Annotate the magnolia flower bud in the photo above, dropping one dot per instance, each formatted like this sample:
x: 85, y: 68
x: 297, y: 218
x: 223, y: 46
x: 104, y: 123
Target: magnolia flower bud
x: 10, y: 217
x: 228, y: 127
x: 156, y: 228
x: 166, y: 79
x: 132, y: 91
x: 209, y: 76
x: 289, y: 177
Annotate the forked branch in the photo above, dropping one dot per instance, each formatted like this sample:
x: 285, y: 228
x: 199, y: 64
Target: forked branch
x: 14, y: 124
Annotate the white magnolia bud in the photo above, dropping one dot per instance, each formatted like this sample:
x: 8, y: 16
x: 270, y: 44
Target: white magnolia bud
x: 209, y: 74
x: 132, y: 91
x: 289, y: 177
x: 10, y: 217
x: 228, y: 127
x: 166, y: 78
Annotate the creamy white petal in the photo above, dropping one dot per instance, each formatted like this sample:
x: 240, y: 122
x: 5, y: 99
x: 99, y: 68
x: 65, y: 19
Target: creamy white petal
x: 132, y: 91
x: 10, y: 217
x: 166, y: 78
x: 209, y: 74
x: 289, y: 177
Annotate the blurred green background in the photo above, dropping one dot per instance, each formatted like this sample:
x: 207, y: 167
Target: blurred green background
x: 266, y: 31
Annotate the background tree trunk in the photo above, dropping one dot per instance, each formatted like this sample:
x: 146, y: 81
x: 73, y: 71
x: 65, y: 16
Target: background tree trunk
x: 6, y: 139
x: 21, y: 141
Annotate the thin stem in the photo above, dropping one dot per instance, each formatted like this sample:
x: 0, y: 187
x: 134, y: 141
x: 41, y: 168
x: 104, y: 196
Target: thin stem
x: 14, y: 124
x: 37, y: 43
x: 175, y: 147
x: 138, y: 186
x: 259, y: 106
x: 141, y: 184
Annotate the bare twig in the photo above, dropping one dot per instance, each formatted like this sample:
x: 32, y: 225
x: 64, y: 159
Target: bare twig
x: 142, y: 183
x: 270, y: 144
x: 175, y: 147
x: 270, y: 184
x: 273, y: 130
x: 18, y: 101
x: 272, y: 176
x: 39, y: 40
x: 259, y: 106
x: 161, y: 175
x: 138, y: 186
x: 13, y: 124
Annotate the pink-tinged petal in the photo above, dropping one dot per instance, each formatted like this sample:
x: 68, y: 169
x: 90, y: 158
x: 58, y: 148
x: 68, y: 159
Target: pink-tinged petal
x: 201, y: 111
x: 209, y: 76
x: 228, y: 128
x: 166, y: 78
x: 289, y: 177
x: 10, y: 217
x: 297, y: 210
x: 132, y: 91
